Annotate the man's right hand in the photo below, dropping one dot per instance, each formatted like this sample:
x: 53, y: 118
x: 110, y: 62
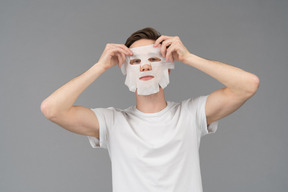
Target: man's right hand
x: 114, y: 54
x: 58, y: 107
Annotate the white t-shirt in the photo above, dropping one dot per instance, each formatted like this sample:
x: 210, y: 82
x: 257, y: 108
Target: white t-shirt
x: 154, y: 152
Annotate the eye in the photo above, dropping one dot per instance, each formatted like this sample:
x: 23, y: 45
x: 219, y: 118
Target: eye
x: 135, y: 61
x: 154, y: 59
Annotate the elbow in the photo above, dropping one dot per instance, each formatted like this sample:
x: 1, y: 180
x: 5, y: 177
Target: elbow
x: 47, y: 110
x: 252, y: 85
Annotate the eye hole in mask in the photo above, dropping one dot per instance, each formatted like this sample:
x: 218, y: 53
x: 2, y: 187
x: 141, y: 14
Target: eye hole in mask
x: 138, y: 61
x: 135, y: 61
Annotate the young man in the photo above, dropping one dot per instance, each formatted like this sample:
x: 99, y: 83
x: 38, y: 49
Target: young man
x: 154, y: 145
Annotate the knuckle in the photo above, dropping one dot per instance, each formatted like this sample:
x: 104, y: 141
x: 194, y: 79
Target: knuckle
x: 176, y: 38
x: 110, y: 51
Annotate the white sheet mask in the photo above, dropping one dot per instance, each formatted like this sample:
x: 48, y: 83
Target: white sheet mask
x: 146, y: 61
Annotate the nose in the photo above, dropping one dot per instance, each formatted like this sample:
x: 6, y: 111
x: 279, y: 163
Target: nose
x: 146, y: 67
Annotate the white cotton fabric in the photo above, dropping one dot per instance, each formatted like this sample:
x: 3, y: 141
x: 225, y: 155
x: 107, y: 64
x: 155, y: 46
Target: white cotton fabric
x: 154, y: 152
x: 159, y: 70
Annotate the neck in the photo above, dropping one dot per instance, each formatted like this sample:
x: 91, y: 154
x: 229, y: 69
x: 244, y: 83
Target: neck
x: 151, y: 103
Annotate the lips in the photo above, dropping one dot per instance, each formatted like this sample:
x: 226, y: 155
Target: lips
x: 146, y: 78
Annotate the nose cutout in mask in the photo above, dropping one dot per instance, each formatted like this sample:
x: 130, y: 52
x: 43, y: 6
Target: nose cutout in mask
x: 146, y: 67
x: 146, y: 70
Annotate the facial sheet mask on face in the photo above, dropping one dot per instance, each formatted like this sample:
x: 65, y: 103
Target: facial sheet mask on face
x: 146, y: 69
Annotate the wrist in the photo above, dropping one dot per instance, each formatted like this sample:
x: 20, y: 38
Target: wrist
x: 100, y: 67
x: 188, y: 58
x: 192, y: 59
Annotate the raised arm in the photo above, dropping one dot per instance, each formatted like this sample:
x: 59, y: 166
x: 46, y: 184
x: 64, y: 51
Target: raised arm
x: 240, y: 85
x: 58, y: 107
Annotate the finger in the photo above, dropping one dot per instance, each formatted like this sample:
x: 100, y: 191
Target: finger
x: 123, y: 60
x: 160, y: 39
x: 170, y: 51
x: 115, y: 50
x: 126, y: 50
x: 120, y: 59
x: 167, y: 43
x: 170, y: 58
x: 163, y: 50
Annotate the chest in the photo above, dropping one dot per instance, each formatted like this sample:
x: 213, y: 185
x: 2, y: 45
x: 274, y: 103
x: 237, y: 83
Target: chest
x: 158, y: 137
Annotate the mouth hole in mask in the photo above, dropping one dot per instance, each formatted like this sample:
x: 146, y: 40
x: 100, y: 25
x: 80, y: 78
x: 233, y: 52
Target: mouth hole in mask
x: 146, y: 78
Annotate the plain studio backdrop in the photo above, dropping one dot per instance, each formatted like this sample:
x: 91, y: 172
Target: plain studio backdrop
x: 44, y: 44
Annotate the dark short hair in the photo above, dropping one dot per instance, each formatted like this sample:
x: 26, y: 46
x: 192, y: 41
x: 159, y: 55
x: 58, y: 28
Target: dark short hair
x: 146, y: 33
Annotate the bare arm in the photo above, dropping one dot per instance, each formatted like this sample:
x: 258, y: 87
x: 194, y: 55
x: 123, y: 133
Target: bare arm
x: 239, y: 87
x: 239, y: 84
x: 58, y: 107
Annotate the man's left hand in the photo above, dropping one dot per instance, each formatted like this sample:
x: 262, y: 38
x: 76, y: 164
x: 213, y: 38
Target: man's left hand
x: 172, y: 48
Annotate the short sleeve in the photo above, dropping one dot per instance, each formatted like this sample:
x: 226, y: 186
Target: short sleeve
x: 201, y: 117
x: 105, y: 119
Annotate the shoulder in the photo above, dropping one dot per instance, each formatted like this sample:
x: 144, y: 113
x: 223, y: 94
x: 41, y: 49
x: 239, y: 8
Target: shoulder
x: 192, y: 104
x: 109, y: 111
x: 195, y: 101
x: 114, y: 110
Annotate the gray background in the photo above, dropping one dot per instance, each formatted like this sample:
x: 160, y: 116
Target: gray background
x: 44, y: 44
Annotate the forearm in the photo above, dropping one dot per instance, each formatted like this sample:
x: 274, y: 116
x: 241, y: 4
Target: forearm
x: 235, y: 79
x: 63, y: 98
